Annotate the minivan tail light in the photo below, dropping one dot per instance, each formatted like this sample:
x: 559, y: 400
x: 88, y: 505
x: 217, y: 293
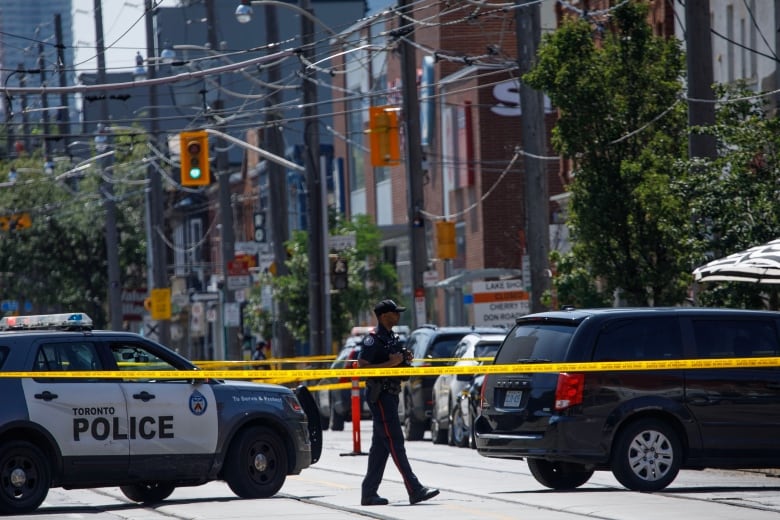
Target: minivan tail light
x: 482, y: 401
x: 568, y: 392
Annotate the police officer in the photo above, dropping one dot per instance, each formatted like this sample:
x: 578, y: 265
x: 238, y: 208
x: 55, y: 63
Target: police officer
x: 381, y: 349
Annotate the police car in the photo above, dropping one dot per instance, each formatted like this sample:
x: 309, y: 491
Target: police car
x: 147, y: 436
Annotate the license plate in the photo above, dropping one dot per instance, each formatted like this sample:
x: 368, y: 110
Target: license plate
x: 513, y: 398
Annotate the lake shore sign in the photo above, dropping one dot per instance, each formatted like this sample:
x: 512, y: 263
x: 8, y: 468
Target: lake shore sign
x: 758, y: 264
x: 498, y: 303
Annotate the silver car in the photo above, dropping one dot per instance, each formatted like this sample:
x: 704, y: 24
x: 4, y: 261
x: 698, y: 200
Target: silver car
x: 446, y: 419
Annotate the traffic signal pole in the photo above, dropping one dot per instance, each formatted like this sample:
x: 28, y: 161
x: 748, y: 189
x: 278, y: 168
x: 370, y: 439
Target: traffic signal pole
x: 112, y: 236
x: 156, y: 212
x: 414, y: 158
x: 319, y: 330
x: 232, y: 347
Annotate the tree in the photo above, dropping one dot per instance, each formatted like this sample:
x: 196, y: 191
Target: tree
x: 58, y: 263
x: 620, y: 122
x: 735, y: 196
x: 370, y: 279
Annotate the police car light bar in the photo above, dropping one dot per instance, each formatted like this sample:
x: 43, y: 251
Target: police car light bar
x: 71, y: 320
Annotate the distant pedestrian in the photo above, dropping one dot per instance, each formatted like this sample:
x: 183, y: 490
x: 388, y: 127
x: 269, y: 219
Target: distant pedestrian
x: 259, y: 353
x: 381, y: 349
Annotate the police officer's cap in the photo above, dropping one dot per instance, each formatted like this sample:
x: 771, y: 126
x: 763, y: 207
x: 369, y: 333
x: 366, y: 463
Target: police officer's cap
x: 387, y: 306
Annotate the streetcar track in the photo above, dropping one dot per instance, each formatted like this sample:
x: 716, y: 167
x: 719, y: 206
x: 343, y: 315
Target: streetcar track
x: 737, y: 502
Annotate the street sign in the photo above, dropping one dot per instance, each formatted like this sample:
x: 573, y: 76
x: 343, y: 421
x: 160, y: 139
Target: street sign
x: 231, y: 315
x: 340, y: 242
x: 430, y: 278
x: 250, y: 248
x: 239, y: 282
x: 9, y: 306
x: 238, y: 275
x: 204, y: 297
x: 499, y: 302
x: 161, y: 304
x: 237, y: 268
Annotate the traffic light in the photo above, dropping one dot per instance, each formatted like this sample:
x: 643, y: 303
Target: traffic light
x: 383, y: 136
x: 445, y: 240
x: 260, y: 234
x: 194, y: 158
x: 339, y: 272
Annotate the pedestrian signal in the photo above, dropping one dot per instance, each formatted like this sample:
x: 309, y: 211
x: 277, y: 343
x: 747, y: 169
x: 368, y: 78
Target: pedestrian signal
x: 194, y: 158
x: 445, y: 240
x: 339, y: 272
x: 383, y: 136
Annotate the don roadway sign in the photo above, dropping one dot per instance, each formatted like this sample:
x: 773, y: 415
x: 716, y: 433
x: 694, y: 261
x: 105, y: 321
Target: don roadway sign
x: 498, y: 303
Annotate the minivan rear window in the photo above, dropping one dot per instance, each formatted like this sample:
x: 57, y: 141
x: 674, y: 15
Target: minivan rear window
x: 547, y: 342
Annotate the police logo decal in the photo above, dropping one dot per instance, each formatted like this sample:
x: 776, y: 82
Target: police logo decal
x: 368, y: 340
x: 198, y: 403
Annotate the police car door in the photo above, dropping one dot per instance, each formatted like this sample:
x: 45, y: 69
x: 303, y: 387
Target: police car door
x: 86, y: 417
x: 172, y: 422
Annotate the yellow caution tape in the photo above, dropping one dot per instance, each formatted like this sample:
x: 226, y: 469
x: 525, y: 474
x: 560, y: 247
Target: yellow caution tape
x: 260, y: 362
x: 316, y: 374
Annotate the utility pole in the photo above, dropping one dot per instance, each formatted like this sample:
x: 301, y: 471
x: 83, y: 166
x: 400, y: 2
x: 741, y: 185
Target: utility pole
x: 414, y: 158
x: 112, y: 240
x: 282, y: 344
x: 529, y: 30
x: 23, y: 100
x: 156, y: 202
x: 777, y: 63
x: 232, y: 348
x: 701, y: 106
x: 44, y: 102
x: 318, y: 298
x: 64, y: 112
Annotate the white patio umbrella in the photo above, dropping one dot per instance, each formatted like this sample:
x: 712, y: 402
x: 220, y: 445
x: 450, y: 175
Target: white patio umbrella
x: 759, y: 264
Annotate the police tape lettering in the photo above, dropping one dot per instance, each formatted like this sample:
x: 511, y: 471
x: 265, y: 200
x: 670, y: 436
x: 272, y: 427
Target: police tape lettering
x: 310, y: 374
x: 101, y: 428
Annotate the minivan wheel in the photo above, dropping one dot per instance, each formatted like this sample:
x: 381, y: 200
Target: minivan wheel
x: 559, y: 475
x: 647, y: 455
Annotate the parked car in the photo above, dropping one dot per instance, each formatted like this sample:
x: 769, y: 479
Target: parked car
x: 643, y: 425
x: 336, y: 405
x: 427, y: 343
x: 470, y: 403
x: 446, y: 416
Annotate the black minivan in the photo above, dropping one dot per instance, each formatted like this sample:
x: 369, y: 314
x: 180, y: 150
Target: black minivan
x: 643, y: 425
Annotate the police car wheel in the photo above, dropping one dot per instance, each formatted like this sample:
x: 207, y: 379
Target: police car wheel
x: 25, y: 477
x: 149, y: 492
x: 256, y: 465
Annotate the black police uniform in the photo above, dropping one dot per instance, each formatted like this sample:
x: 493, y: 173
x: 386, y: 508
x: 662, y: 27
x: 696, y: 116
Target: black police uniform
x: 388, y: 437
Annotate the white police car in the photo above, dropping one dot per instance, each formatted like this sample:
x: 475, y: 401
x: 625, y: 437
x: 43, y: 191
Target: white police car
x: 146, y: 436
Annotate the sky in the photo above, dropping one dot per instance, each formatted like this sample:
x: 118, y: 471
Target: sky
x: 124, y: 32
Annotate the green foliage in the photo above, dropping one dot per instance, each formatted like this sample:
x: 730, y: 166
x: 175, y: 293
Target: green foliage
x: 621, y: 122
x: 370, y: 279
x: 574, y: 284
x: 735, y: 196
x: 59, y: 263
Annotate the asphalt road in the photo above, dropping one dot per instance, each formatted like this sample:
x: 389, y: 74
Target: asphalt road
x: 472, y: 488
